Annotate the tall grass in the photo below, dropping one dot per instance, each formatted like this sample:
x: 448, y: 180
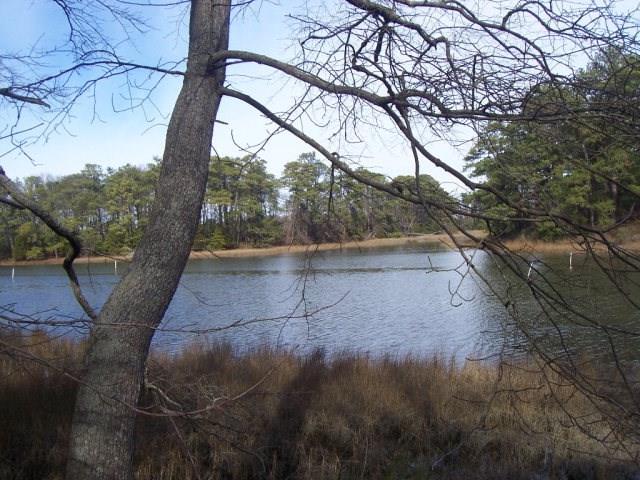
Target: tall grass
x: 273, y: 414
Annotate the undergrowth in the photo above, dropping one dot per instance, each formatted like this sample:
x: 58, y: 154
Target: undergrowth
x: 274, y: 415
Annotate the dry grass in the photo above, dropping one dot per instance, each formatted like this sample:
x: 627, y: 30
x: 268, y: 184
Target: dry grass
x: 36, y: 403
x: 627, y: 236
x: 434, y: 240
x: 349, y: 417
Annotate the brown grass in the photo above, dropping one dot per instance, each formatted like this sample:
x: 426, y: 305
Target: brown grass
x: 627, y: 236
x: 437, y: 240
x: 565, y: 246
x: 310, y: 417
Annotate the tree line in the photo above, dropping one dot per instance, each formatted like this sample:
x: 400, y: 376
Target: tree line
x: 586, y: 172
x: 244, y: 205
x: 580, y: 172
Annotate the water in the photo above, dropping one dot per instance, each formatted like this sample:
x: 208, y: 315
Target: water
x: 382, y: 302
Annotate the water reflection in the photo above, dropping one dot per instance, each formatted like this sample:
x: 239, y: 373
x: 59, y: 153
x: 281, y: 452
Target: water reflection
x: 566, y: 314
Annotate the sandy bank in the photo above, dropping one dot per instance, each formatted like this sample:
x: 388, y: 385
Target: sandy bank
x: 563, y: 246
x: 521, y: 245
x: 441, y: 240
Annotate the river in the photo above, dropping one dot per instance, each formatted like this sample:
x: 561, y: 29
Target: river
x: 417, y: 301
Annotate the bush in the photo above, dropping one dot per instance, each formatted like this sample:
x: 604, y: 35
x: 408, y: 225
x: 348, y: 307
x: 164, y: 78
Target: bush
x: 218, y: 239
x: 35, y: 253
x: 549, y: 231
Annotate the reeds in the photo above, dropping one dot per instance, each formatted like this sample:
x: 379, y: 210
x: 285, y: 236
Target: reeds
x: 274, y: 414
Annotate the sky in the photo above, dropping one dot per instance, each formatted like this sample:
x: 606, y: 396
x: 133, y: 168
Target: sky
x: 103, y: 129
x: 95, y: 133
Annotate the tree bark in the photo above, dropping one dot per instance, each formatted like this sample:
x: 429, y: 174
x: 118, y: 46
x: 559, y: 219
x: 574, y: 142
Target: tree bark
x: 103, y: 423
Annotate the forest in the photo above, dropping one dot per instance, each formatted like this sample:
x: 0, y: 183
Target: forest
x: 244, y: 205
x: 587, y: 172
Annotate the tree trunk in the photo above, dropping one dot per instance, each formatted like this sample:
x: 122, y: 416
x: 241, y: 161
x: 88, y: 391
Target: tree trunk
x: 237, y: 219
x: 615, y: 195
x: 103, y: 423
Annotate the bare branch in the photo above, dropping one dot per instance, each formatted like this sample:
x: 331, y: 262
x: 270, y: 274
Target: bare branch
x: 76, y: 247
x: 6, y: 92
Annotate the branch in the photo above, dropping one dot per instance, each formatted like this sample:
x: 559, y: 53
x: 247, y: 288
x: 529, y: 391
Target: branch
x: 11, y: 203
x: 6, y: 92
x: 360, y: 177
x: 76, y: 247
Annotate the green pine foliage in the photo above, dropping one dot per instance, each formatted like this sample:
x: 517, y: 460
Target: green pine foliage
x: 583, y: 171
x: 244, y: 206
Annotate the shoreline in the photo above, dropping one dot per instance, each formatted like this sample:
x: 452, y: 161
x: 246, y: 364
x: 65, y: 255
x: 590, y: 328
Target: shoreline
x: 526, y: 245
x: 520, y: 245
x: 417, y: 240
x: 435, y: 239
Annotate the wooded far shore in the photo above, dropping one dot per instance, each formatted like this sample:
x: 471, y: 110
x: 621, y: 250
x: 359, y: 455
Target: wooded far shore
x: 433, y: 240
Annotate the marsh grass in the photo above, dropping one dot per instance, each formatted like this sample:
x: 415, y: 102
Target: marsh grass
x: 311, y: 417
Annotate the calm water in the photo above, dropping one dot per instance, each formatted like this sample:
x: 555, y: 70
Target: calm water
x: 394, y: 302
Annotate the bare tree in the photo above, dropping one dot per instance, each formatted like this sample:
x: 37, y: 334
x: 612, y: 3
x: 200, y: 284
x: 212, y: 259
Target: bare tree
x: 421, y: 68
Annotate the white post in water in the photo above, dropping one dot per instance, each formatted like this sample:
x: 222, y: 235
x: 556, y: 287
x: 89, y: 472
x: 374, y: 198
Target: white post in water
x: 13, y: 273
x: 115, y: 267
x: 571, y: 261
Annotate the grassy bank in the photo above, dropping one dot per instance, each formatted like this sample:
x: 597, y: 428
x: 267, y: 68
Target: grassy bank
x: 519, y: 244
x: 272, y: 415
x: 563, y: 246
x: 436, y: 240
x: 627, y: 236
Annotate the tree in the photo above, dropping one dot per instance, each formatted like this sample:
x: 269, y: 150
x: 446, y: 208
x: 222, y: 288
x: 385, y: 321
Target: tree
x: 586, y: 171
x: 361, y: 209
x: 307, y: 180
x: 129, y: 192
x: 415, y: 67
x: 241, y: 202
x: 104, y: 419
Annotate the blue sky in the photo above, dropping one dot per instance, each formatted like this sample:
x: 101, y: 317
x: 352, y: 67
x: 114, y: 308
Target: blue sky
x: 102, y: 129
x: 94, y: 133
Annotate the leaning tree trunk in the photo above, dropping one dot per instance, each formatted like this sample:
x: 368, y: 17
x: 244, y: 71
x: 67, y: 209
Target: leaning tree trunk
x: 103, y: 422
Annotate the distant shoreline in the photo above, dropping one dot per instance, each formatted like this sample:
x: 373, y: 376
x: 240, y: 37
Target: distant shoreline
x: 417, y: 240
x: 435, y: 239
